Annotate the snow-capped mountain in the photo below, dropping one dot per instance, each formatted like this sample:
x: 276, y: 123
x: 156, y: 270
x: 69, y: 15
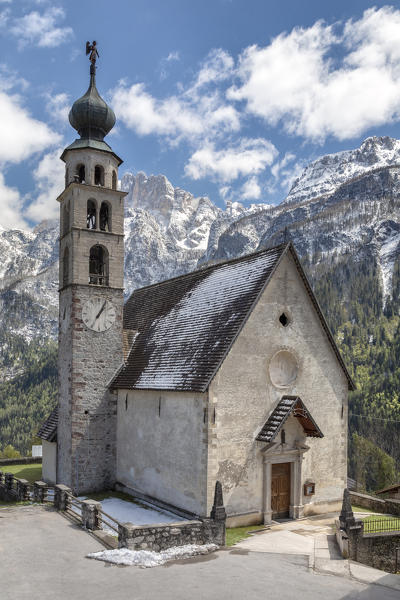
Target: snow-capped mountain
x: 326, y: 174
x: 342, y: 204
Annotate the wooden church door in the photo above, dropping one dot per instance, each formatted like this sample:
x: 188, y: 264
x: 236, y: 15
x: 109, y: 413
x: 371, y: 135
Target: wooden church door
x: 280, y: 490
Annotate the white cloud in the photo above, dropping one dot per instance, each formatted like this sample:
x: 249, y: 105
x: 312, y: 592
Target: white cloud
x: 41, y: 29
x: 58, y: 107
x: 49, y: 177
x: 248, y: 157
x: 176, y: 117
x: 173, y: 56
x: 21, y: 134
x: 281, y: 164
x: 295, y: 81
x: 165, y: 62
x: 10, y: 207
x: 217, y: 66
x: 251, y: 189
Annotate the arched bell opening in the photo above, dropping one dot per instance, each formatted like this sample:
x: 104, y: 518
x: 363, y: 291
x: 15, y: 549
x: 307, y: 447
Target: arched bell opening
x: 80, y: 173
x: 99, y: 175
x: 65, y: 263
x: 105, y: 216
x: 91, y: 216
x: 98, y: 265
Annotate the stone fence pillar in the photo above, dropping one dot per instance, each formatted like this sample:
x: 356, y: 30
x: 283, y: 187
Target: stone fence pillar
x: 39, y: 491
x: 9, y: 480
x: 1, y: 478
x: 91, y: 516
x: 61, y: 499
x: 22, y: 490
x: 126, y: 533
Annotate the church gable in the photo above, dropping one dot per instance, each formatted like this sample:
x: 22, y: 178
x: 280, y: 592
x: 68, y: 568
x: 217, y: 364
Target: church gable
x: 186, y: 326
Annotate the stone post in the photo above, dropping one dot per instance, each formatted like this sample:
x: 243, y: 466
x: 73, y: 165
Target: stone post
x: 1, y: 477
x: 91, y: 516
x: 9, y: 480
x: 126, y: 532
x: 39, y: 491
x: 218, y: 516
x: 61, y: 499
x: 346, y: 517
x: 22, y: 490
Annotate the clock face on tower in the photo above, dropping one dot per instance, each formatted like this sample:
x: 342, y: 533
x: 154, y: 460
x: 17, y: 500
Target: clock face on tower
x: 98, y: 314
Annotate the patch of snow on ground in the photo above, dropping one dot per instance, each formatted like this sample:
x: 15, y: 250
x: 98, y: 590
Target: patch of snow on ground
x: 147, y: 558
x: 138, y: 513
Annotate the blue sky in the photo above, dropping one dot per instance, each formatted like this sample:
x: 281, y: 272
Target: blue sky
x: 227, y: 98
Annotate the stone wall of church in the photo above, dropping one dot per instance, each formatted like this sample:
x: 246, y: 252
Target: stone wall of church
x: 162, y: 446
x: 246, y: 389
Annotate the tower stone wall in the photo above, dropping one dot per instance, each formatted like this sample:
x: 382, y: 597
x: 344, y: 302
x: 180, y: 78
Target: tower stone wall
x: 91, y: 301
x: 87, y: 410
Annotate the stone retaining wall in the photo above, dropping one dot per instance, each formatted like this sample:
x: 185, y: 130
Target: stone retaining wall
x: 376, y: 550
x: 163, y: 536
x: 389, y: 507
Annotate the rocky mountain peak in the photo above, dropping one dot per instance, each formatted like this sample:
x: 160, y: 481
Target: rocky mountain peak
x: 324, y: 175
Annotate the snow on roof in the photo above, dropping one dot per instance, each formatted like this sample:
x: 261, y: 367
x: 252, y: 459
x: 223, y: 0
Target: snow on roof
x: 187, y: 324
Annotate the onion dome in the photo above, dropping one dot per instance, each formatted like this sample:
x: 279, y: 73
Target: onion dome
x: 90, y: 115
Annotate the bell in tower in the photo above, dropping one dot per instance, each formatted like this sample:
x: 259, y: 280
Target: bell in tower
x: 91, y: 296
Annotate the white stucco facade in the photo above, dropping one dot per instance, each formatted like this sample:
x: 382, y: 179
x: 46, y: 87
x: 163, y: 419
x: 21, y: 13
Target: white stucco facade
x: 49, y: 462
x: 162, y: 446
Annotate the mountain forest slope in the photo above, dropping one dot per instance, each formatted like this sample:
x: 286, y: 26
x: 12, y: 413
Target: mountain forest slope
x: 342, y: 214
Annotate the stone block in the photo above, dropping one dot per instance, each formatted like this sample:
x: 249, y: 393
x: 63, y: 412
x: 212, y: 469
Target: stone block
x: 91, y: 515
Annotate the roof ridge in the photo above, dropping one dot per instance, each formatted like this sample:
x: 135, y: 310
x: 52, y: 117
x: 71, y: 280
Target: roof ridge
x: 210, y: 267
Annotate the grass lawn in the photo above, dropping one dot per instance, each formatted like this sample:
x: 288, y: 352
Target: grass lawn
x: 382, y: 523
x: 31, y: 472
x: 236, y: 534
x: 363, y: 510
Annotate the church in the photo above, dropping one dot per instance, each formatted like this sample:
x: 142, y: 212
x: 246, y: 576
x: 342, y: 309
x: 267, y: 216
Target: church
x: 228, y: 373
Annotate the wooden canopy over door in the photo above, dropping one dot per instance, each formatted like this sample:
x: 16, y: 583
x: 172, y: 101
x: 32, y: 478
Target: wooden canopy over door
x: 280, y: 490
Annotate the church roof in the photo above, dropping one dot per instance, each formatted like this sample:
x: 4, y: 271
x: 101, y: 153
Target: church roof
x: 187, y: 325
x: 287, y: 406
x: 48, y: 430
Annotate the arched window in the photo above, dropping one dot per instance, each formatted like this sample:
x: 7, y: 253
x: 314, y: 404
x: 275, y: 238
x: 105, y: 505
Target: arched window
x: 66, y: 267
x: 98, y: 175
x: 114, y: 180
x: 105, y: 217
x: 80, y: 173
x: 98, y: 265
x: 91, y: 215
x: 65, y: 220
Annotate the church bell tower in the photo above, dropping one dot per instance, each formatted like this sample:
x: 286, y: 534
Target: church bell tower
x: 91, y: 297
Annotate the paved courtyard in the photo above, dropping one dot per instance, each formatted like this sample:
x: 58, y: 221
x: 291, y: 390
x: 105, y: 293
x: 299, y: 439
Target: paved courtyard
x: 42, y: 557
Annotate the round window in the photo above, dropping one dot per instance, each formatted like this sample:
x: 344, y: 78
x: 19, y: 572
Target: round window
x: 283, y: 368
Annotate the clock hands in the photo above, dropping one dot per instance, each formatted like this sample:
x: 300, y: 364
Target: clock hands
x: 101, y: 310
x: 99, y: 313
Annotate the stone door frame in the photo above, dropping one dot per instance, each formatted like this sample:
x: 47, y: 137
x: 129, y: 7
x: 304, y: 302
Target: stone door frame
x: 276, y: 454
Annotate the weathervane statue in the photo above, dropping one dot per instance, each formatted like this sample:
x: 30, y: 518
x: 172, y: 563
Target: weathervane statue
x: 91, y: 49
